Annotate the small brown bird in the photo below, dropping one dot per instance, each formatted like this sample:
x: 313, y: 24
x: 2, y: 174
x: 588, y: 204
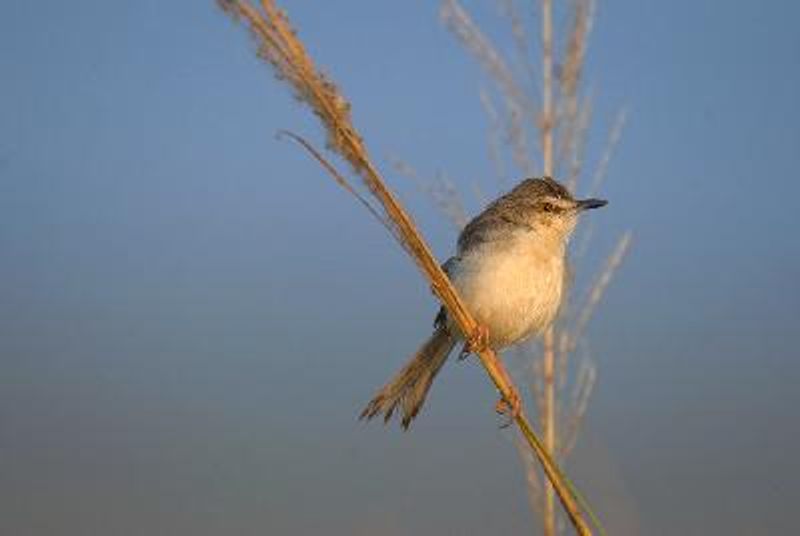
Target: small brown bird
x: 509, y: 269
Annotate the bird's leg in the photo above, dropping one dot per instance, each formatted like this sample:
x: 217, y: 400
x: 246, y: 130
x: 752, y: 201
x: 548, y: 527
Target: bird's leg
x: 475, y: 343
x: 502, y: 408
x: 479, y: 341
x: 511, y: 405
x: 511, y: 409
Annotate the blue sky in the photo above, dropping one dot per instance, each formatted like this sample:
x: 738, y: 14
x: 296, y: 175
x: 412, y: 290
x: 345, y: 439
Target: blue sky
x: 192, y: 313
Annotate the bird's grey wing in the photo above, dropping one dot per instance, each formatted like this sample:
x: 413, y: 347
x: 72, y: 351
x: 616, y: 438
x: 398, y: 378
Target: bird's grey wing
x: 441, y: 317
x: 449, y: 265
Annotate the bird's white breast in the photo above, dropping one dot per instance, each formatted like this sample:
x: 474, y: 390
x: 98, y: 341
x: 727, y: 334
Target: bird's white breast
x: 512, y: 287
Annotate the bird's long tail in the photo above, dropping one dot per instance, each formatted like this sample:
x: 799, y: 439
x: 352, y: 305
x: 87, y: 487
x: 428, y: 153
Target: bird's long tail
x: 409, y: 387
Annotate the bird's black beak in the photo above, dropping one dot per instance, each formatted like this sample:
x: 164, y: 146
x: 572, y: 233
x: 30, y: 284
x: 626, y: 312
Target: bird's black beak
x: 586, y: 204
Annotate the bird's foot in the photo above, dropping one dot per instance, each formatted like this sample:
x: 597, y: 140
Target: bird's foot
x: 511, y: 407
x: 478, y: 342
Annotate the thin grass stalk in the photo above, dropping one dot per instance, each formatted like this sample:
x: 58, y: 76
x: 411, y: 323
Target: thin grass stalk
x: 520, y: 38
x: 493, y: 136
x: 531, y: 474
x: 599, y: 288
x: 587, y: 375
x: 440, y: 189
x: 279, y: 45
x: 547, y: 119
x: 546, y: 128
x: 548, y: 418
x: 519, y: 106
x: 570, y: 107
x: 611, y: 145
x: 580, y: 130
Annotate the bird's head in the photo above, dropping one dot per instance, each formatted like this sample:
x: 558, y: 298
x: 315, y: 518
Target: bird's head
x: 551, y: 209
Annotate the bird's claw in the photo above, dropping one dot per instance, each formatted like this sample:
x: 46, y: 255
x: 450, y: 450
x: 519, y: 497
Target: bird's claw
x: 476, y: 343
x: 478, y: 340
x: 510, y: 408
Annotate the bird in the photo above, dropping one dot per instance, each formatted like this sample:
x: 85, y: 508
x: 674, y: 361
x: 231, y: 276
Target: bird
x: 510, y: 270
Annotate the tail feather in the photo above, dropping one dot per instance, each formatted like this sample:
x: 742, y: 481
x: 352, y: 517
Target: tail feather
x: 409, y: 387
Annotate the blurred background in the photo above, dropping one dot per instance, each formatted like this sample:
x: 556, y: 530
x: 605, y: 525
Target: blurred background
x: 192, y: 314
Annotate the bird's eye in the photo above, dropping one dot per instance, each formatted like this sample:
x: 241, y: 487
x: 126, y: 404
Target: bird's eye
x: 548, y: 207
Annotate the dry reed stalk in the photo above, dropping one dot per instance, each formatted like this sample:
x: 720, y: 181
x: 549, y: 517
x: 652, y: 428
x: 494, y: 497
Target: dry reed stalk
x: 279, y: 45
